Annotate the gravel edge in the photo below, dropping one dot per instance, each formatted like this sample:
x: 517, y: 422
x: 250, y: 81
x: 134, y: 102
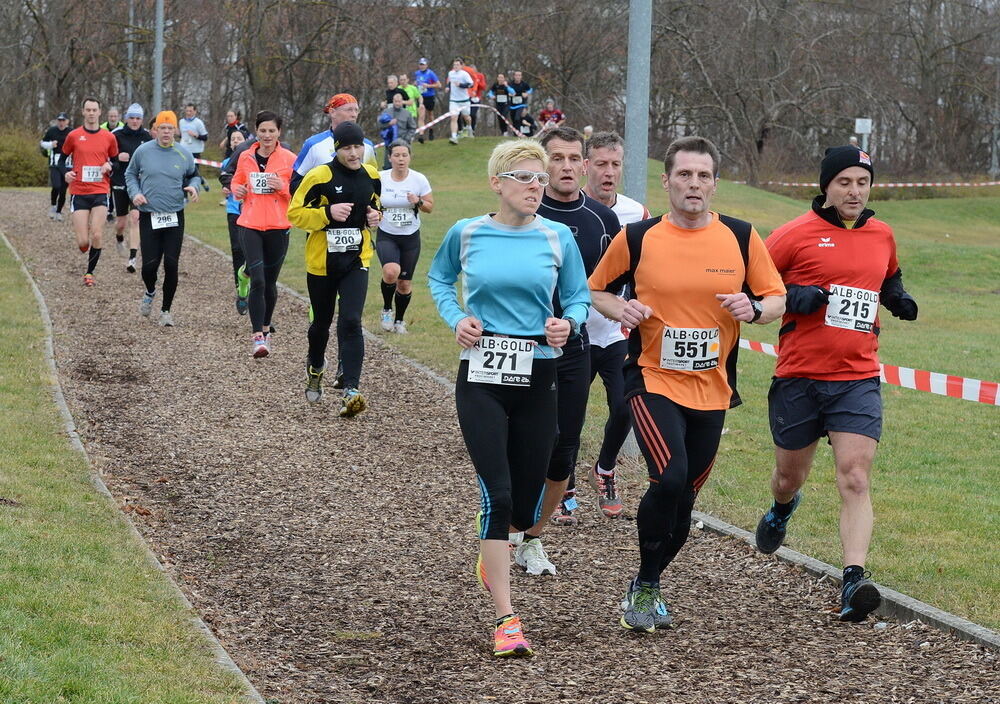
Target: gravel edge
x: 221, y: 657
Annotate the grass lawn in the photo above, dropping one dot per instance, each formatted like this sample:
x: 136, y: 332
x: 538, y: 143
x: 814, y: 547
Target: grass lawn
x: 936, y: 502
x: 83, y: 616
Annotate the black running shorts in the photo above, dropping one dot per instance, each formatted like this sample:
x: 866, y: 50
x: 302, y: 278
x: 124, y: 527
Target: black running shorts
x: 399, y: 249
x: 120, y: 200
x: 88, y: 202
x: 803, y: 410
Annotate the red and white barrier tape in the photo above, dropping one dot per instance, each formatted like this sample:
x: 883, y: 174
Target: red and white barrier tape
x: 987, y: 392
x: 915, y: 184
x: 206, y: 162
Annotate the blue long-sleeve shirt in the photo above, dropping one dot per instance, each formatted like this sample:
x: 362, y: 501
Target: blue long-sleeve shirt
x: 160, y: 174
x: 509, y: 275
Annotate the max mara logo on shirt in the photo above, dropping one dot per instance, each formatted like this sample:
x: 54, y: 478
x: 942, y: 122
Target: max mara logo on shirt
x: 825, y: 242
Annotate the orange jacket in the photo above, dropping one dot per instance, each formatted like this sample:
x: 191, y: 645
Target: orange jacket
x: 265, y: 211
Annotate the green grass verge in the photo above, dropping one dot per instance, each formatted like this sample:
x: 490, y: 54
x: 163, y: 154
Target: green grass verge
x: 83, y: 617
x: 938, y: 516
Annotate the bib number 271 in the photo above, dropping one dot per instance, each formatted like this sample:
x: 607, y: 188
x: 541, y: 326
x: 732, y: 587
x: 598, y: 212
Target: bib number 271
x: 501, y: 360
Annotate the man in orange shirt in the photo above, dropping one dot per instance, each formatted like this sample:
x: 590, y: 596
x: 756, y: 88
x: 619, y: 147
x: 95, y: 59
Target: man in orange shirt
x: 694, y: 276
x: 838, y: 263
x: 479, y: 87
x: 92, y: 149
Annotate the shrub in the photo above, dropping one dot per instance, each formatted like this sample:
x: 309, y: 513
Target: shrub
x: 21, y: 163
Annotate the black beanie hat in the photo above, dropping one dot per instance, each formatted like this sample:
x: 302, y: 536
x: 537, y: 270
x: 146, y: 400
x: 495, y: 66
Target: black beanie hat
x: 837, y: 159
x: 346, y: 134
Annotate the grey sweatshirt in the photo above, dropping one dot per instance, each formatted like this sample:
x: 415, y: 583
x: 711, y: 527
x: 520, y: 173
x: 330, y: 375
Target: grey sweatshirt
x: 160, y: 174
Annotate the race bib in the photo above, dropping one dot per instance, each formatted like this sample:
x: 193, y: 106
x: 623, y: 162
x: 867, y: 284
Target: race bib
x: 851, y: 308
x: 689, y: 349
x: 92, y: 174
x: 525, y: 129
x: 162, y: 220
x: 501, y: 360
x: 258, y: 183
x: 516, y: 99
x: 400, y: 217
x: 343, y: 239
x: 501, y: 98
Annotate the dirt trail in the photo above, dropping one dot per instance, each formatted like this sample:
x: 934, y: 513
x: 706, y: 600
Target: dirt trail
x: 333, y: 557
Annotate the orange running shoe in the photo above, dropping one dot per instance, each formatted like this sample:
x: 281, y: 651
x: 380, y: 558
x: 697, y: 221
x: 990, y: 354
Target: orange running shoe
x: 88, y: 279
x: 508, y: 639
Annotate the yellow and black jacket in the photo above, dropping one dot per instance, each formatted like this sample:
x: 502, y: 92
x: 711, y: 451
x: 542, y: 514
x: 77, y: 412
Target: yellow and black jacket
x: 329, y: 184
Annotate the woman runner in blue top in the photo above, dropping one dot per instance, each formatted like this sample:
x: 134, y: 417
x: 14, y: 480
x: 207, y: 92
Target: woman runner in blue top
x: 511, y: 263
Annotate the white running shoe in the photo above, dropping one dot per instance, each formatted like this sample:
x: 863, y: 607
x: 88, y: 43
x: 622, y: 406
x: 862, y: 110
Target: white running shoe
x: 121, y: 248
x: 385, y: 320
x: 399, y: 328
x: 146, y: 304
x: 52, y: 213
x: 130, y: 267
x: 166, y: 320
x: 260, y: 348
x: 59, y: 217
x: 531, y: 556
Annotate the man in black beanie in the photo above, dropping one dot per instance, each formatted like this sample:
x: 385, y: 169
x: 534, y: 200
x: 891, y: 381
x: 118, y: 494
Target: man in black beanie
x: 838, y: 263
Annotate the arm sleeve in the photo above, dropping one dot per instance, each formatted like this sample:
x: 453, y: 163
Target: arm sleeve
x: 574, y: 295
x: 285, y: 174
x: 240, y: 175
x: 762, y: 275
x: 192, y: 171
x: 112, y: 146
x: 442, y: 275
x: 613, y: 267
x: 778, y: 249
x: 132, y: 175
x: 67, y: 147
x: 304, y: 210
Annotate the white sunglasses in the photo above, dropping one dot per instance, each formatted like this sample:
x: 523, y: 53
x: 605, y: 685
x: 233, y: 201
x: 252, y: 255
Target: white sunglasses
x: 524, y: 176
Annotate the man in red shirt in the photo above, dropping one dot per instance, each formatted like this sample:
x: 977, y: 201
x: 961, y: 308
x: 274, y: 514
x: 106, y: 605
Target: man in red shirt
x: 551, y: 116
x: 92, y: 149
x: 838, y: 263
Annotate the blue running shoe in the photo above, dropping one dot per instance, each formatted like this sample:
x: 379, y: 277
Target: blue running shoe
x: 858, y: 598
x: 772, y: 527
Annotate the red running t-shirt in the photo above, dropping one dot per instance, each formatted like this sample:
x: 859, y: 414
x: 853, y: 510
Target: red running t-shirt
x: 90, y: 151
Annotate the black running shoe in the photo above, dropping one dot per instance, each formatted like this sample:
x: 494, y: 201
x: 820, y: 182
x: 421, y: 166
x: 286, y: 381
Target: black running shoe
x: 772, y: 527
x: 859, y: 598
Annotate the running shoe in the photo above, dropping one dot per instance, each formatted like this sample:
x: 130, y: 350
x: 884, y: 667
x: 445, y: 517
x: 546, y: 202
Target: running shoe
x: 314, y: 383
x: 267, y: 341
x: 121, y: 248
x: 858, y: 598
x: 260, y: 348
x: 146, y: 304
x: 59, y: 216
x: 242, y: 306
x: 453, y: 140
x: 508, y: 639
x: 531, y: 556
x: 385, y: 320
x: 166, y: 320
x: 607, y: 498
x: 639, y: 606
x: 88, y: 280
x: 352, y: 403
x: 772, y: 528
x: 399, y: 327
x: 130, y: 267
x: 52, y: 213
x: 243, y: 285
x: 563, y: 515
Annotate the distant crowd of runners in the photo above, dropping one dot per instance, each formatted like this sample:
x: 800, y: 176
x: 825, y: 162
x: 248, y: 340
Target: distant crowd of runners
x: 562, y: 283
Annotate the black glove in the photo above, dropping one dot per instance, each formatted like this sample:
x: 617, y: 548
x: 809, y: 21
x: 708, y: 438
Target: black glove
x: 805, y: 299
x: 895, y: 298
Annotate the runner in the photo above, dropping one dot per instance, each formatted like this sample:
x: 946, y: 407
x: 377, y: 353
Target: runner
x: 501, y: 93
x: 337, y: 204
x: 193, y: 136
x: 114, y: 120
x: 233, y: 124
x: 92, y: 150
x: 413, y: 100
x: 261, y: 182
x: 520, y: 100
x: 158, y: 176
x: 128, y: 139
x: 592, y: 226
x: 512, y: 265
x: 475, y: 96
x: 428, y: 83
x: 605, y: 155
x: 838, y: 263
x: 319, y: 149
x: 686, y: 272
x: 233, y: 208
x: 52, y: 142
x: 551, y: 116
x: 459, y: 102
x: 405, y: 194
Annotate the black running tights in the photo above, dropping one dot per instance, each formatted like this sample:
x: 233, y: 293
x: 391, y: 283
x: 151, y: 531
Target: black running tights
x: 163, y: 244
x: 265, y: 252
x: 350, y: 287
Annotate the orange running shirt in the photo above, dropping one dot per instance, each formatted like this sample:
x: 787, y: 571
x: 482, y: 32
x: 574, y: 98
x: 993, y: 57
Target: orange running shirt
x: 90, y: 150
x: 678, y: 273
x: 839, y: 342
